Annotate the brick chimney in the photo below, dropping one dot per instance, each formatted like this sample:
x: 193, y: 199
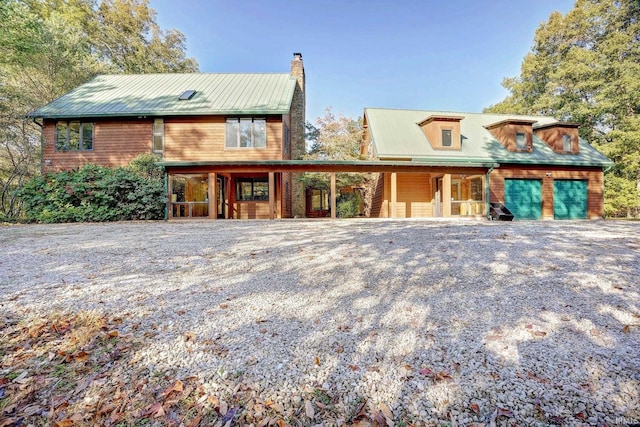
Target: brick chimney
x: 298, y: 119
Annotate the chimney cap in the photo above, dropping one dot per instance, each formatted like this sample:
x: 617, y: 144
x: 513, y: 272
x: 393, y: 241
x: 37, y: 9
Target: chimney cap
x: 297, y: 55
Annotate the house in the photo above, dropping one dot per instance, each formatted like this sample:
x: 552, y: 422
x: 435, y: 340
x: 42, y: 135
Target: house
x: 538, y: 167
x: 215, y: 134
x: 231, y: 145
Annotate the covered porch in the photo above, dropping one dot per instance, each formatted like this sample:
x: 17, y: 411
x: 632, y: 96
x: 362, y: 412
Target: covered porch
x: 265, y: 189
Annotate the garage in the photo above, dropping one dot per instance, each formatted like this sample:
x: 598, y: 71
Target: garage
x: 523, y: 197
x: 570, y: 199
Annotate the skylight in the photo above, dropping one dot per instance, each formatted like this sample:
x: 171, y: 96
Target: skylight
x: 186, y: 95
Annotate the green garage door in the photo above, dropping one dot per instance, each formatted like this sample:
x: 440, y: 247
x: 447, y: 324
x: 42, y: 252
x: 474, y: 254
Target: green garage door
x: 523, y: 197
x: 570, y: 199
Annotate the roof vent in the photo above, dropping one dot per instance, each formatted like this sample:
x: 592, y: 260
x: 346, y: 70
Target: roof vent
x: 186, y: 95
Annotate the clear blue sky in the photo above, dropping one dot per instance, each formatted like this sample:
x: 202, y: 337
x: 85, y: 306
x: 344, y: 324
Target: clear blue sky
x: 429, y: 54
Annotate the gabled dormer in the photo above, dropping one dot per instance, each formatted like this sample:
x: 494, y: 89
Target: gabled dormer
x: 442, y: 131
x: 515, y: 134
x: 562, y: 137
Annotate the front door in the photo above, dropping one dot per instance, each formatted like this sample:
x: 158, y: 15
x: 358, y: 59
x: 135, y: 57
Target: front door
x: 220, y: 186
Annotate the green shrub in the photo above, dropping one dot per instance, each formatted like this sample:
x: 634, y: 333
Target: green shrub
x: 347, y: 205
x: 93, y: 193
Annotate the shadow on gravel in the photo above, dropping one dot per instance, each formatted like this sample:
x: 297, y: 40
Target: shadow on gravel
x: 442, y: 322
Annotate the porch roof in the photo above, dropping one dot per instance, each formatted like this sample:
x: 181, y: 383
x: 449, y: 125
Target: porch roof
x: 422, y: 165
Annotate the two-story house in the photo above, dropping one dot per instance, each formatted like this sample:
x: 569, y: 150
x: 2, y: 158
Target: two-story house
x: 215, y: 134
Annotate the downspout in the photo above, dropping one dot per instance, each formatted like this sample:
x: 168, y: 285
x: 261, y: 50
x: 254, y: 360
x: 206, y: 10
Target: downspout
x: 488, y: 191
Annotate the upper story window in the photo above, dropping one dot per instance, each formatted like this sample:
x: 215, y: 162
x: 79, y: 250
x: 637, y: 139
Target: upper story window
x: 246, y: 133
x: 74, y: 136
x: 158, y: 135
x: 521, y: 141
x: 567, y: 142
x: 446, y: 137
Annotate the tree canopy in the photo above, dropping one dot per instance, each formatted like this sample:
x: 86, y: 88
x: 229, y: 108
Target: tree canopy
x: 584, y: 67
x: 48, y: 47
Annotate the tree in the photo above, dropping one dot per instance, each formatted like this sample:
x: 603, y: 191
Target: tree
x: 336, y: 138
x: 584, y: 68
x: 48, y: 47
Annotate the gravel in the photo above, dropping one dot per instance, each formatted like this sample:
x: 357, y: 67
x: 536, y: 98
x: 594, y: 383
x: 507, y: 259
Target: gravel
x: 532, y: 323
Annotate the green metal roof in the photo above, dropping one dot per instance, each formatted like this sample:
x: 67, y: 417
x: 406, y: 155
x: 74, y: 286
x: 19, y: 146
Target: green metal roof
x: 396, y: 134
x: 126, y: 95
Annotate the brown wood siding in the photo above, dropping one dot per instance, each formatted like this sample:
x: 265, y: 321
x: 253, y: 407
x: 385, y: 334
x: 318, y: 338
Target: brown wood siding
x: 115, y: 143
x: 414, y: 195
x: 251, y: 210
x: 433, y: 132
x: 552, y: 136
x: 377, y: 196
x: 595, y: 185
x: 414, y: 198
x: 286, y: 195
x: 203, y: 138
x: 506, y: 134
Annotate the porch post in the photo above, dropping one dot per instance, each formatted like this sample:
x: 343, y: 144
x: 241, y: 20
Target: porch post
x: 212, y: 196
x: 394, y: 194
x: 272, y: 194
x: 446, y: 195
x: 333, y: 195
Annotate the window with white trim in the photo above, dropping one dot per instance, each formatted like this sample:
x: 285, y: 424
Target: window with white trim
x: 521, y: 141
x: 246, y: 132
x: 158, y: 135
x: 74, y: 136
x: 446, y: 137
x: 567, y: 142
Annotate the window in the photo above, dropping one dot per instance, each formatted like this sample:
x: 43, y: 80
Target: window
x: 246, y: 133
x: 158, y: 135
x: 319, y: 200
x: 248, y: 189
x: 567, y: 143
x: 521, y: 141
x: 74, y: 136
x: 186, y: 95
x: 446, y: 137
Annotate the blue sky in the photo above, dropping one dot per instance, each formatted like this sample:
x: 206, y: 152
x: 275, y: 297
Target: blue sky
x: 429, y: 54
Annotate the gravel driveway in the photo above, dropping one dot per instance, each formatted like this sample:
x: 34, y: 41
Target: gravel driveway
x: 528, y: 323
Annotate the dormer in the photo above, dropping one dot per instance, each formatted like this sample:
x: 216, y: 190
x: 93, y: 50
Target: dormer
x: 515, y: 134
x: 442, y: 131
x: 562, y: 137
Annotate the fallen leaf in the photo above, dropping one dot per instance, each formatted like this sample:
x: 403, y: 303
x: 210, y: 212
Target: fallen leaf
x: 626, y: 329
x: 157, y: 410
x: 64, y: 423
x: 180, y: 312
x: 425, y: 371
x: 317, y: 361
x: 308, y: 409
x: 442, y: 376
x: 177, y: 386
x: 81, y: 356
x: 477, y: 425
x: 386, y: 411
x: 475, y: 408
x: 224, y: 305
x: 223, y: 408
x: 339, y: 349
x: 195, y: 422
x: 354, y: 367
x: 529, y: 326
x: 539, y: 333
x: 231, y: 413
x: 112, y: 334
x: 501, y: 412
x: 190, y: 337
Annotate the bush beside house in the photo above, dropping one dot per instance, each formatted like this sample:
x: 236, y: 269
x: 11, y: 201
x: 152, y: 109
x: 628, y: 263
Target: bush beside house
x: 96, y: 194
